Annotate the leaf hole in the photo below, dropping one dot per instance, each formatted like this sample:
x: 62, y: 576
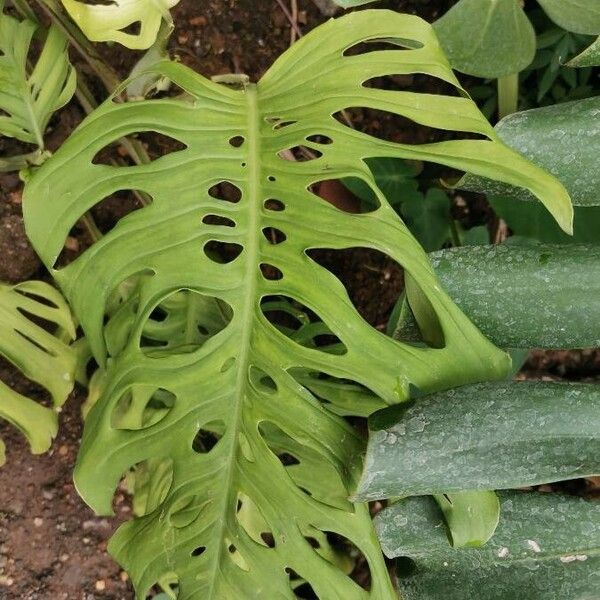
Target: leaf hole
x: 222, y: 252
x: 141, y: 406
x: 274, y: 205
x: 188, y: 319
x: 314, y: 543
x: 361, y: 268
x: 279, y: 123
x: 119, y: 208
x: 226, y: 191
x: 261, y: 381
x: 208, y: 436
x: 361, y: 573
x: 268, y: 539
x: 218, y: 220
x: 273, y: 235
x: 300, y: 154
x: 414, y: 82
x: 287, y: 459
x: 237, y: 141
x: 379, y: 44
x: 270, y: 272
x: 319, y: 139
x: 157, y: 144
x: 149, y: 482
x: 272, y: 178
x: 134, y: 28
x: 340, y: 195
x: 301, y: 324
x: 306, y: 592
x: 199, y: 551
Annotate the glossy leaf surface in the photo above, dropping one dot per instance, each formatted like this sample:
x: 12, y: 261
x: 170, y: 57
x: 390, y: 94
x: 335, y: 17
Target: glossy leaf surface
x: 546, y: 547
x: 527, y: 296
x: 483, y: 437
x: 254, y: 451
x: 564, y: 139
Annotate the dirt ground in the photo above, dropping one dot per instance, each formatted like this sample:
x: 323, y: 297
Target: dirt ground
x: 51, y: 546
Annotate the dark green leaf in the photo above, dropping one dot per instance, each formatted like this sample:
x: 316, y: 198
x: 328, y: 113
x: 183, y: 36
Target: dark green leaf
x: 476, y: 236
x: 486, y: 437
x: 563, y: 139
x: 523, y: 296
x: 428, y: 218
x: 394, y: 177
x: 579, y: 16
x: 546, y: 547
x: 531, y: 220
x: 487, y: 38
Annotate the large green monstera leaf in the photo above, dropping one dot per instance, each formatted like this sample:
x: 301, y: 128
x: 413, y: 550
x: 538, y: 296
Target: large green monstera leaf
x: 42, y: 356
x: 242, y: 399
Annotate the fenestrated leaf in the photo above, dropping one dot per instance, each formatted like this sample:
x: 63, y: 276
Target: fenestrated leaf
x: 487, y: 38
x: 483, y: 437
x: 546, y: 547
x: 108, y: 22
x: 525, y: 296
x: 564, y: 139
x: 233, y: 401
x: 590, y: 57
x: 41, y: 356
x: 578, y: 16
x: 29, y: 96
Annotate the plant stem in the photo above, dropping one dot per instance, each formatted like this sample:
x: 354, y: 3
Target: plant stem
x: 24, y: 10
x: 508, y: 95
x: 455, y: 234
x: 108, y: 77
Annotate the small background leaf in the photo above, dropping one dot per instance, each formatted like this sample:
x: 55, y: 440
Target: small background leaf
x: 471, y: 517
x: 29, y: 97
x: 578, y: 16
x: 487, y: 38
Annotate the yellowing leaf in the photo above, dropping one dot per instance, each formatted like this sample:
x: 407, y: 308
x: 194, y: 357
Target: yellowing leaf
x: 109, y: 22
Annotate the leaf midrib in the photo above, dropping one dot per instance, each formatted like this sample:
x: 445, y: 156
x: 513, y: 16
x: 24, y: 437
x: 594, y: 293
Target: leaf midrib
x: 247, y: 316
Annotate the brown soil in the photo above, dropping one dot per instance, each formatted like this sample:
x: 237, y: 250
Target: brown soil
x: 51, y: 546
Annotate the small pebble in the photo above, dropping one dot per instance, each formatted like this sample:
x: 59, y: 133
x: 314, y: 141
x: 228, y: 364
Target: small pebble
x: 100, y: 585
x: 38, y: 522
